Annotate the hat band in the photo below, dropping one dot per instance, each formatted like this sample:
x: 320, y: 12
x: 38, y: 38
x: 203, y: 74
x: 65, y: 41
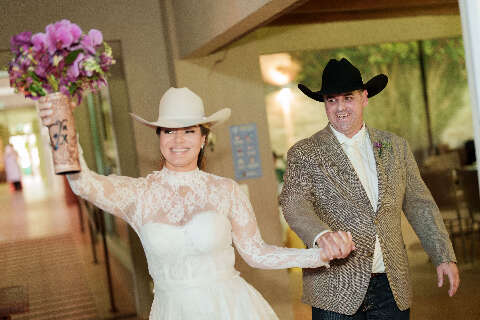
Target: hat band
x: 199, y: 118
x: 346, y: 87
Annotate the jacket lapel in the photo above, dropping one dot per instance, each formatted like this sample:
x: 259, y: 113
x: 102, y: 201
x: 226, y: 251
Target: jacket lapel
x: 337, y: 166
x: 381, y: 153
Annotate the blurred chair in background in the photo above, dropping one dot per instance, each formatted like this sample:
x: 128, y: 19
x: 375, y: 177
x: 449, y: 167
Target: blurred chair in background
x: 468, y: 183
x: 442, y: 185
x: 450, y: 160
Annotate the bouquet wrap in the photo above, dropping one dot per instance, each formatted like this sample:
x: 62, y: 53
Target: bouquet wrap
x: 63, y: 137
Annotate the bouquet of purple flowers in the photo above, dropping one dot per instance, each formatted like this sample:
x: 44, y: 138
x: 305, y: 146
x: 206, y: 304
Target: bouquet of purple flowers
x: 62, y: 59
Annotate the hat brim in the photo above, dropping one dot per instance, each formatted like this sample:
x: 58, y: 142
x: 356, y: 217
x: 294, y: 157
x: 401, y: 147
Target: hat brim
x: 373, y: 86
x: 213, y: 120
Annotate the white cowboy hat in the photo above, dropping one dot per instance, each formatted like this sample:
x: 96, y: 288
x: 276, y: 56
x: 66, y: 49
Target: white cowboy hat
x: 180, y: 108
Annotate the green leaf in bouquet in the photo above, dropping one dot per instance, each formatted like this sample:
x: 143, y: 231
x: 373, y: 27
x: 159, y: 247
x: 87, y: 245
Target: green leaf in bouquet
x: 53, y: 82
x: 34, y: 76
x: 71, y: 57
x: 72, y: 88
x: 92, y: 65
x: 36, y: 90
x: 108, y: 49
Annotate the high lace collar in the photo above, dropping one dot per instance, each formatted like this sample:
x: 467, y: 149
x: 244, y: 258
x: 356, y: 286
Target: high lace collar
x: 180, y: 178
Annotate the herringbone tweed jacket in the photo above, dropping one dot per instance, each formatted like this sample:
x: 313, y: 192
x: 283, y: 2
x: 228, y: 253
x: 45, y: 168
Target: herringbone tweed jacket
x: 322, y: 191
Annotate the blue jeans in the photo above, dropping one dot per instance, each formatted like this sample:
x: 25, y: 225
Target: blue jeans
x: 378, y: 304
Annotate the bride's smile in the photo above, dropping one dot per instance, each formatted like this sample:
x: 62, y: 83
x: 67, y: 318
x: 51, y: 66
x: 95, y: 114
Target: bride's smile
x: 181, y: 147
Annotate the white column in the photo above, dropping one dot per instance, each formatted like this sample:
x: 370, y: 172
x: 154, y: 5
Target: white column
x: 470, y: 15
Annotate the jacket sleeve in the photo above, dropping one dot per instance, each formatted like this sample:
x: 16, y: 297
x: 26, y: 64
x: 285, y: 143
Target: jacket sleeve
x: 424, y: 215
x: 296, y: 198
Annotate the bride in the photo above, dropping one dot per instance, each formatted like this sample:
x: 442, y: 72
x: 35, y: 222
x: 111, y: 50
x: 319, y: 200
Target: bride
x: 187, y: 220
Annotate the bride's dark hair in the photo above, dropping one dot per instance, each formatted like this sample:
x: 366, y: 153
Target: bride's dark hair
x: 201, y: 161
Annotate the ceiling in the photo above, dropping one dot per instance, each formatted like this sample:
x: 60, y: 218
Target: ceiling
x: 321, y: 11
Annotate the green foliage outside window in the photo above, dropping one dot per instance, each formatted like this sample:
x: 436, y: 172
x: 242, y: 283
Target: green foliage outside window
x: 400, y: 108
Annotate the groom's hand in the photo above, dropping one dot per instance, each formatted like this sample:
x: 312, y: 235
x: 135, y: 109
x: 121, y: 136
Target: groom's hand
x: 336, y: 245
x: 450, y: 269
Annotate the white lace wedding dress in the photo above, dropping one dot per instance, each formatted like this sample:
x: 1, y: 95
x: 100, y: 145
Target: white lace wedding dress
x: 186, y: 222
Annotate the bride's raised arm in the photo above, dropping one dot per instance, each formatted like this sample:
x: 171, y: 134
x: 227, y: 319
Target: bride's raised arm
x: 117, y: 195
x: 252, y: 248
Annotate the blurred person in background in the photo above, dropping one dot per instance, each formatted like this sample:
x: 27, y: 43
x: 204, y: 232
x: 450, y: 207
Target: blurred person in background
x: 12, y: 169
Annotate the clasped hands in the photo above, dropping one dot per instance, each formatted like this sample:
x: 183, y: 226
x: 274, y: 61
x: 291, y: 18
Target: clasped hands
x: 335, y: 244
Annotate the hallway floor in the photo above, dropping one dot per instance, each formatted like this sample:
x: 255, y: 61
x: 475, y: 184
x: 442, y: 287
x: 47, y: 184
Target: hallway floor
x: 42, y: 222
x: 43, y: 249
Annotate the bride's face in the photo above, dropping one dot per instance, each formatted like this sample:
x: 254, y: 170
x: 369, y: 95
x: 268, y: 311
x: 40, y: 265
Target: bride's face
x: 180, y: 147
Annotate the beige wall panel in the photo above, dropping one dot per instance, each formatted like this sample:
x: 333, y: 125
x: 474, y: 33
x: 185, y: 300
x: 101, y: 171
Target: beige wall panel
x: 354, y: 33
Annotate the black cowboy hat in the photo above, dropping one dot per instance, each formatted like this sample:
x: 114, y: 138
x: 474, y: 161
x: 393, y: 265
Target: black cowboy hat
x: 342, y: 76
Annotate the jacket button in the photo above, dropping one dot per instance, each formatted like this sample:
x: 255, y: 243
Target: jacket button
x: 370, y: 254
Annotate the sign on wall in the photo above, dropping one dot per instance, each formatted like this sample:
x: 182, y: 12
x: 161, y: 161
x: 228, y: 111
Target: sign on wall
x: 246, y: 154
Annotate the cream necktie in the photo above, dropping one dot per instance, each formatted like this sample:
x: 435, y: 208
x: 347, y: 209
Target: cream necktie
x: 359, y: 162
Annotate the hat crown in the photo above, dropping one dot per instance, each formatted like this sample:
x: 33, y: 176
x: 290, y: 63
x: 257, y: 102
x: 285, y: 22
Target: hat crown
x: 182, y: 108
x: 180, y: 103
x: 341, y: 76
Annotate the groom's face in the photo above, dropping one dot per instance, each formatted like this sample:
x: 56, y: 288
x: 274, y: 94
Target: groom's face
x: 345, y: 111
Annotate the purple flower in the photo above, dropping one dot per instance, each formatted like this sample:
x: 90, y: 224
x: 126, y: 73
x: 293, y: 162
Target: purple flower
x: 385, y: 145
x: 64, y: 90
x: 105, y: 61
x: 39, y: 41
x: 42, y: 66
x: 24, y: 62
x: 62, y: 35
x: 21, y: 41
x: 40, y: 70
x: 93, y: 39
x: 73, y: 71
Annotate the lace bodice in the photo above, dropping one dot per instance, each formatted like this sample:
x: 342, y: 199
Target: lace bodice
x: 169, y: 201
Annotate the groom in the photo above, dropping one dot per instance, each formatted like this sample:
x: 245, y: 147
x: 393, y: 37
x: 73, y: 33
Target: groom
x: 352, y: 178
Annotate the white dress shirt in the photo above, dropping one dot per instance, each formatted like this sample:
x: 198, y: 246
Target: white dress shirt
x: 359, y: 151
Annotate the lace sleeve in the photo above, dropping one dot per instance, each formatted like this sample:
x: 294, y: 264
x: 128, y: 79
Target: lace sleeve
x: 114, y: 194
x: 252, y: 248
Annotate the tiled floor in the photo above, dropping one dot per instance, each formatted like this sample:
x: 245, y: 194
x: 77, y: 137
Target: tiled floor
x: 39, y: 212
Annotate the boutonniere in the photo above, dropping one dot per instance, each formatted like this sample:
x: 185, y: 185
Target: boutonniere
x: 382, y: 145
